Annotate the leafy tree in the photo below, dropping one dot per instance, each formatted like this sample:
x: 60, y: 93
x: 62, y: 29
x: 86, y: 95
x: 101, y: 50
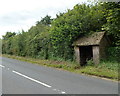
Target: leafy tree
x: 45, y: 41
x: 75, y: 23
x: 112, y: 26
x: 46, y: 20
x: 6, y: 46
x: 8, y: 35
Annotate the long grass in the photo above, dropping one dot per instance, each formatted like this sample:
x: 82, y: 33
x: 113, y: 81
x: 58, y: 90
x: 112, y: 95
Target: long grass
x: 105, y: 69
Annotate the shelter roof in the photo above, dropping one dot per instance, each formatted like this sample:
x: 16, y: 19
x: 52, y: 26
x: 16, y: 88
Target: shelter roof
x: 93, y: 39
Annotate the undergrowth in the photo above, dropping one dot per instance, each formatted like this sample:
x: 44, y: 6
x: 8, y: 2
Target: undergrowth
x: 105, y: 69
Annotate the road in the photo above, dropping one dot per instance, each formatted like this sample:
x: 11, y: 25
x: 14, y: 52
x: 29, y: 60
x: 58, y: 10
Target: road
x: 20, y: 77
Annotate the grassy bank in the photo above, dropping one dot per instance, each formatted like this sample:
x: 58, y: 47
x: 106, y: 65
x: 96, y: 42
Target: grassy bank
x: 105, y: 69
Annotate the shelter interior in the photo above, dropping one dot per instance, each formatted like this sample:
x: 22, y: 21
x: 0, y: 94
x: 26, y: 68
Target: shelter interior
x: 86, y: 54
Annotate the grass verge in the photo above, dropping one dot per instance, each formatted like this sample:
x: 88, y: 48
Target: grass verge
x: 105, y: 69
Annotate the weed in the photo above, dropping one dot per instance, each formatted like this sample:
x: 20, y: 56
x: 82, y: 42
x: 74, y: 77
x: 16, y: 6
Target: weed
x: 105, y: 69
x: 90, y: 62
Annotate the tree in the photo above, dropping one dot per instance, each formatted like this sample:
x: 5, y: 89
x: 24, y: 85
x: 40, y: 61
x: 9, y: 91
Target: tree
x: 8, y: 35
x: 79, y: 21
x: 112, y: 13
x: 44, y: 41
x: 46, y: 20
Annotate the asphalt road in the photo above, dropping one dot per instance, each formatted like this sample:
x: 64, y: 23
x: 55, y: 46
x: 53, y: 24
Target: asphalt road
x: 20, y: 77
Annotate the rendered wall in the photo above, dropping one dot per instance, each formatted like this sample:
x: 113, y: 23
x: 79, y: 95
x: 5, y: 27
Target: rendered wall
x: 96, y: 54
x: 77, y: 54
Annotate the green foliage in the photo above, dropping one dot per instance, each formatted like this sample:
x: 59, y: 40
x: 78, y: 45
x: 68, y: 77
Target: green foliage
x: 9, y: 35
x: 105, y: 69
x: 37, y: 40
x: 113, y: 53
x: 110, y: 65
x: 33, y: 43
x: 75, y: 23
x: 112, y: 26
x: 53, y: 38
x: 99, y: 71
x: 45, y: 21
x: 90, y: 62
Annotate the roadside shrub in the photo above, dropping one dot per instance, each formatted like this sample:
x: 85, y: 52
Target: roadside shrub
x: 90, y: 62
x: 113, y: 53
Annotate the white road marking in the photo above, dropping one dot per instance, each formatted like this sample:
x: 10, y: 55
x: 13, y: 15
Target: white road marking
x: 2, y: 66
x: 59, y: 91
x: 31, y: 79
x: 54, y: 89
x: 27, y: 77
x: 63, y: 92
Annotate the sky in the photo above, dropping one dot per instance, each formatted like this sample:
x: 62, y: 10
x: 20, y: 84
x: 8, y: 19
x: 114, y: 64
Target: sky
x: 16, y: 15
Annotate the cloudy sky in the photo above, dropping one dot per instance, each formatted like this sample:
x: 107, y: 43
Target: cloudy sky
x: 16, y: 15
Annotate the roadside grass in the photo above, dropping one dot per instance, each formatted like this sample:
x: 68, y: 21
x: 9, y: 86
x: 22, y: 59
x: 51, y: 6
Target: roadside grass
x: 104, y: 72
x: 105, y: 69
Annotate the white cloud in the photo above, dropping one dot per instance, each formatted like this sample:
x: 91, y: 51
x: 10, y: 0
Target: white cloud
x: 22, y: 14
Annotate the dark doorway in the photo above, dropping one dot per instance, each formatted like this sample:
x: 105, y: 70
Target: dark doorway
x: 86, y: 54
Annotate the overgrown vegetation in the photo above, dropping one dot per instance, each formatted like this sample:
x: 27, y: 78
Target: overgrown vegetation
x: 52, y: 39
x: 105, y: 69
